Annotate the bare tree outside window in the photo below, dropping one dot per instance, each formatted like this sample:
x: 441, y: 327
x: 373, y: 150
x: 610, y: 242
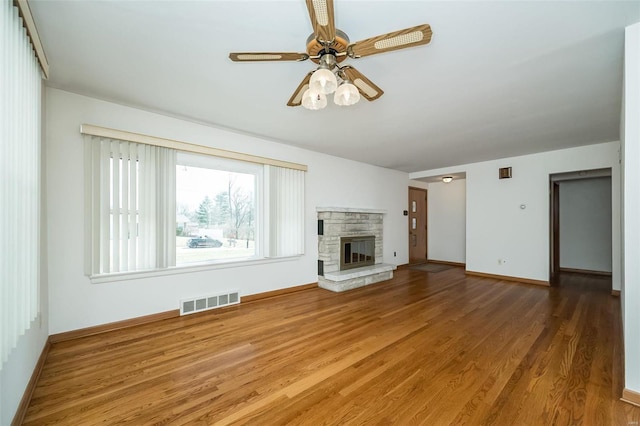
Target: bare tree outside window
x: 241, y: 211
x: 216, y: 210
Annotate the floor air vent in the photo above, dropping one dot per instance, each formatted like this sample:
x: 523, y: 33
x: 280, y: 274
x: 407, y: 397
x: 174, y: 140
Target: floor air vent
x: 204, y: 303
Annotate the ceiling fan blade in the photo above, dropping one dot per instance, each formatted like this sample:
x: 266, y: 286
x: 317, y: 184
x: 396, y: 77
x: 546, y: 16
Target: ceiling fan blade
x: 409, y: 37
x: 366, y: 88
x: 267, y: 56
x: 296, y: 98
x: 322, y: 19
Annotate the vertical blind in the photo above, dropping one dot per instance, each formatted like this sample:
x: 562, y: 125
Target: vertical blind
x: 130, y: 192
x: 286, y: 217
x: 20, y: 91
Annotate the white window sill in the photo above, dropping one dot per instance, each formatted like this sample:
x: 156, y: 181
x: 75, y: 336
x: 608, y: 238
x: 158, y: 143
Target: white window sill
x: 186, y: 269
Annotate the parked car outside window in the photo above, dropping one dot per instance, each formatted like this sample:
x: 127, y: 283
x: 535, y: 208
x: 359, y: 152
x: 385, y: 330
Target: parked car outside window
x: 203, y: 242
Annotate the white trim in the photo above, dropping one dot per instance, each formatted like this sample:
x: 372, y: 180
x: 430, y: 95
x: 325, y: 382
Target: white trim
x: 349, y: 210
x: 133, y: 275
x: 104, y: 132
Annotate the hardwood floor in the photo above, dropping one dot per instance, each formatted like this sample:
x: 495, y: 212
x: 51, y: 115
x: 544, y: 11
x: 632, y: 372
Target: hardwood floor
x: 423, y: 348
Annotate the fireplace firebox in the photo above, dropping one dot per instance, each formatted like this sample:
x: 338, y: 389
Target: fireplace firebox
x: 357, y: 251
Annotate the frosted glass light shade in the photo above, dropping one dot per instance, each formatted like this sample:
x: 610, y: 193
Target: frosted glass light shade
x: 323, y: 81
x: 347, y: 94
x: 313, y: 100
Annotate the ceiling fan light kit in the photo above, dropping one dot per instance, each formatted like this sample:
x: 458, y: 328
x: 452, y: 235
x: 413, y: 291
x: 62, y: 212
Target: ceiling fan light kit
x: 323, y: 81
x: 328, y: 46
x: 314, y: 100
x: 347, y: 94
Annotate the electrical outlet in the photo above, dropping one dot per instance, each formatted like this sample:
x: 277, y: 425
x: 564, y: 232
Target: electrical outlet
x: 394, y: 254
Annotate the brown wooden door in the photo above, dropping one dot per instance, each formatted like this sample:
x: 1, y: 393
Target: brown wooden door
x: 417, y: 225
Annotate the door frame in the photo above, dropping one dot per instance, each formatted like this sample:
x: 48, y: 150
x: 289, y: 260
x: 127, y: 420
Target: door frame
x: 554, y: 215
x: 554, y: 265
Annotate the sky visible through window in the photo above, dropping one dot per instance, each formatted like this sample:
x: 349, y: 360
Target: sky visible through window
x: 194, y: 183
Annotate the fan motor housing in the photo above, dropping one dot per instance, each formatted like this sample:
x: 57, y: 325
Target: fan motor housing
x: 339, y: 45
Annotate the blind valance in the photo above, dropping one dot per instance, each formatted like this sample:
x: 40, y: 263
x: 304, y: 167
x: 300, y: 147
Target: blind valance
x: 104, y: 132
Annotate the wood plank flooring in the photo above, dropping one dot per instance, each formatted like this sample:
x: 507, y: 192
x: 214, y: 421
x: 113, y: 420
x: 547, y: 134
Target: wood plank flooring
x: 423, y: 348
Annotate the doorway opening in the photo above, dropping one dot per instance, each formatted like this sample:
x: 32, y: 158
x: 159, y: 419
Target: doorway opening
x: 581, y: 225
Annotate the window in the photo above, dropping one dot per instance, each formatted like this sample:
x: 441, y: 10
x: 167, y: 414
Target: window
x: 153, y: 208
x: 216, y: 209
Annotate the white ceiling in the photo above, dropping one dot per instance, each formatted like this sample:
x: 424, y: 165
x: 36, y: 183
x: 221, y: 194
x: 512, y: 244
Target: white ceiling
x: 499, y: 78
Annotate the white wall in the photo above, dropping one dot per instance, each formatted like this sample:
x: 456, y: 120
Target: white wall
x: 75, y: 302
x: 585, y: 224
x: 497, y: 226
x: 631, y: 161
x: 446, y: 217
x: 418, y: 184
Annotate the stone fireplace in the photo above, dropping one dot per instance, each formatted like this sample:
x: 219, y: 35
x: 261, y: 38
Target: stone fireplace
x: 350, y: 248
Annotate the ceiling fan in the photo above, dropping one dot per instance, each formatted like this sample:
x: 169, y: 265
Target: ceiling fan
x: 328, y: 47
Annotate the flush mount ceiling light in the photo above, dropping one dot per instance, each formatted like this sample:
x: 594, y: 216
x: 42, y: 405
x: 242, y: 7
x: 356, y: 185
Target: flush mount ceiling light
x: 328, y: 46
x: 447, y: 179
